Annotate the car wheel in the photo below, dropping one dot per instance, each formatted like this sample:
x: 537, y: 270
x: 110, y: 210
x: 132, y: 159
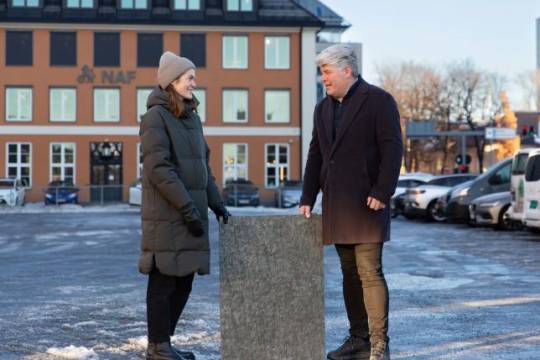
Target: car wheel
x: 393, y: 210
x: 435, y: 213
x: 503, y: 222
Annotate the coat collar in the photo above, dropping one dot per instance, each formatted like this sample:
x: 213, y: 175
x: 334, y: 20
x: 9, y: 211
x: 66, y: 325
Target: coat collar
x: 355, y: 104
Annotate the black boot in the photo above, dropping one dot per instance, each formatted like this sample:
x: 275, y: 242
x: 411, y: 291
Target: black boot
x: 161, y: 351
x: 354, y: 348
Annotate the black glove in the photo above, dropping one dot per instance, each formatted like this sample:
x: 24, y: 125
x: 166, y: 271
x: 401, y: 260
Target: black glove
x: 222, y: 212
x: 193, y: 220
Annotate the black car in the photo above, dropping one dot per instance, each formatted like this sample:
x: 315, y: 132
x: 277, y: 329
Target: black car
x: 240, y: 192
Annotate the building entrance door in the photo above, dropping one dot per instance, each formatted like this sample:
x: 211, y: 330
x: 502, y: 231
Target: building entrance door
x: 106, y: 172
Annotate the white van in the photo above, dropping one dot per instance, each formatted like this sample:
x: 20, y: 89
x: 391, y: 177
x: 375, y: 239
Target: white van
x: 531, y: 201
x: 517, y: 186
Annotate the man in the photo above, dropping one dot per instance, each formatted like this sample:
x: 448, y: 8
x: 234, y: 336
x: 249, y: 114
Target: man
x: 355, y: 158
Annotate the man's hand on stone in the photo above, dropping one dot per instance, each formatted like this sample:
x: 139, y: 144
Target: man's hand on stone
x: 305, y: 210
x: 375, y: 204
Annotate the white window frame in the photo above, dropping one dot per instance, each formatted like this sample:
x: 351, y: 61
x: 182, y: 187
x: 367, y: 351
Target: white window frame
x: 186, y: 5
x: 64, y: 118
x: 235, y: 63
x: 236, y: 165
x: 79, y: 4
x: 133, y: 4
x: 238, y: 5
x: 139, y: 160
x: 278, y: 121
x: 25, y: 4
x: 246, y: 91
x: 201, y: 109
x: 19, y: 165
x: 109, y: 119
x: 277, y: 53
x: 20, y: 118
x: 139, y: 114
x: 276, y: 166
x: 63, y: 165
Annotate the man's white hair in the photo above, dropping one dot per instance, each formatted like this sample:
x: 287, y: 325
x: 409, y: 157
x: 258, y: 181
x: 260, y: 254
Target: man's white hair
x: 340, y: 56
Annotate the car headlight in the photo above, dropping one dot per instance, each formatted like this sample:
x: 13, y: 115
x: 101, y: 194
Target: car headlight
x: 461, y: 192
x: 48, y: 196
x: 72, y: 195
x: 490, y: 204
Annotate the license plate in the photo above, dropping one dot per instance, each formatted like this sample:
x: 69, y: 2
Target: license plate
x: 534, y: 204
x: 243, y: 201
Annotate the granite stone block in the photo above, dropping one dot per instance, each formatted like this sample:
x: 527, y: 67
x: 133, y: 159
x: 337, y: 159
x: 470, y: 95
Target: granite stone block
x: 272, y: 288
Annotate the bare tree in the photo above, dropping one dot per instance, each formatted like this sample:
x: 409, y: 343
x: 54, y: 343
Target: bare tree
x: 529, y: 84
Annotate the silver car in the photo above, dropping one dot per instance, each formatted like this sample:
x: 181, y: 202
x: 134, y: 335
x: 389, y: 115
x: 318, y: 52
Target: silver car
x: 490, y: 210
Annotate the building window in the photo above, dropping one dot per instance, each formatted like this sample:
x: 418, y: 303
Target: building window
x: 200, y: 94
x: 62, y: 162
x: 18, y: 104
x: 277, y: 164
x: 80, y: 4
x: 193, y: 46
x: 276, y: 52
x: 107, y: 105
x: 134, y: 4
x: 235, y: 162
x: 149, y: 49
x: 142, y: 97
x: 139, y: 160
x: 187, y: 4
x: 19, y: 162
x: 239, y: 5
x: 106, y: 49
x: 62, y: 104
x: 25, y: 3
x: 63, y: 49
x: 235, y: 106
x: 235, y: 52
x: 19, y: 50
x: 277, y: 106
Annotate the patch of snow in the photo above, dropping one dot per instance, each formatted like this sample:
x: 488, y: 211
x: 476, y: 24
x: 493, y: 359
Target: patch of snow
x: 38, y: 208
x: 73, y: 352
x: 400, y: 281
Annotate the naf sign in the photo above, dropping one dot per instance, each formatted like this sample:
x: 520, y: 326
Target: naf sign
x: 107, y: 76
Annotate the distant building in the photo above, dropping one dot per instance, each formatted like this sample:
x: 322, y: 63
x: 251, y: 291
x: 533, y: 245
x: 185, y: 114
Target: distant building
x: 75, y: 76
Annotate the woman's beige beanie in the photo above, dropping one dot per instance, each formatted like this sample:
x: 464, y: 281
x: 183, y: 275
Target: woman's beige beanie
x: 172, y: 66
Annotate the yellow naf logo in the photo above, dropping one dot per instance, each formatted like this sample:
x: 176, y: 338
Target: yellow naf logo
x: 107, y: 76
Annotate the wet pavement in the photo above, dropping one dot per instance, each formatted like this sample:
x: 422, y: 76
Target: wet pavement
x: 70, y: 287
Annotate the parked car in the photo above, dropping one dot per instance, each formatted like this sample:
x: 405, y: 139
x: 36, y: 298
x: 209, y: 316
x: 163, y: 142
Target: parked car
x: 135, y: 193
x: 442, y: 202
x: 12, y: 192
x: 240, y: 192
x: 406, y: 181
x: 531, y: 199
x: 495, y: 179
x: 422, y: 200
x: 491, y: 210
x: 288, y: 193
x: 61, y: 192
x: 516, y: 212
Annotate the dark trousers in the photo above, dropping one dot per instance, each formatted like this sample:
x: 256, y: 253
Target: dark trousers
x: 166, y: 297
x: 364, y: 290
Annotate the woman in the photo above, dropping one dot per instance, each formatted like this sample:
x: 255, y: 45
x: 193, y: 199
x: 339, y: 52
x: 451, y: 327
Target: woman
x: 178, y: 188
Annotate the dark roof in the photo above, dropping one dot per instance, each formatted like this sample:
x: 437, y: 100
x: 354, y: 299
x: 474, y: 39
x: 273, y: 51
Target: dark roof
x: 331, y: 19
x: 160, y: 12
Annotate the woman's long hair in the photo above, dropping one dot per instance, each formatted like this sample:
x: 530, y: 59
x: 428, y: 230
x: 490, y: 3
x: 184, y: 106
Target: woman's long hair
x: 177, y: 104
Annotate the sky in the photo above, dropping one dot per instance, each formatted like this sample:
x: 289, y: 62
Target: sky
x: 497, y: 35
